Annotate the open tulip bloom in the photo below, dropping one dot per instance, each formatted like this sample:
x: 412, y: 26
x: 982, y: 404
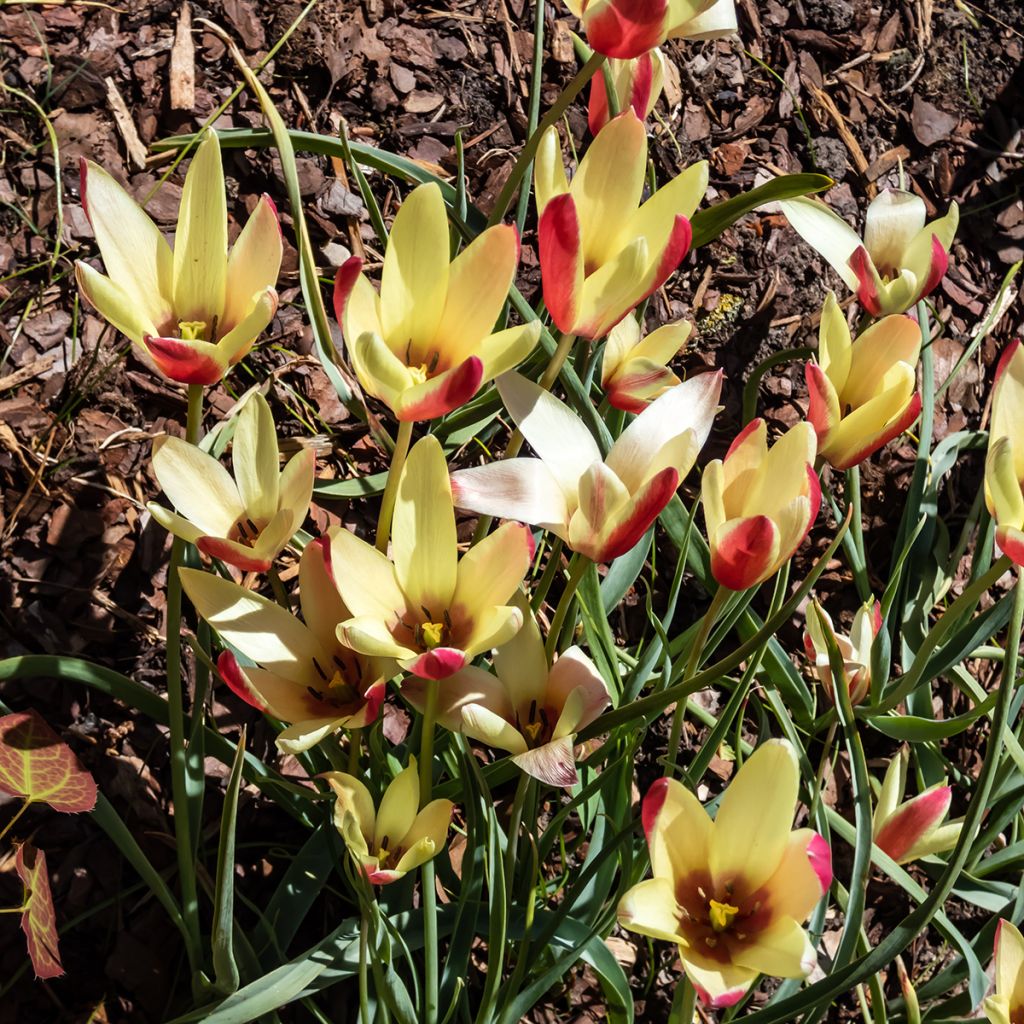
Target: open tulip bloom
x: 862, y: 393
x: 428, y: 609
x: 1004, y: 466
x: 601, y: 252
x: 901, y: 259
x: 246, y: 520
x: 425, y: 344
x: 907, y: 830
x: 529, y: 709
x: 637, y: 83
x: 855, y: 649
x: 628, y: 28
x: 732, y: 893
x: 634, y: 372
x: 1006, y: 1005
x: 395, y: 838
x: 197, y: 309
x: 599, y: 507
x: 302, y: 673
x: 759, y: 504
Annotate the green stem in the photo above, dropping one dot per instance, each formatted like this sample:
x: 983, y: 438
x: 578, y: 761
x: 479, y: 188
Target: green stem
x: 522, y: 165
x: 429, y: 891
x: 540, y: 592
x: 387, y: 505
x: 533, y: 114
x: 364, y: 988
x: 577, y: 567
x: 706, y: 623
x: 860, y: 564
x: 683, y: 1002
x: 280, y: 594
x: 20, y: 811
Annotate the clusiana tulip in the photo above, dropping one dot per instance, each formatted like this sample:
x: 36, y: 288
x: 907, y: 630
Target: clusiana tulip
x: 855, y: 649
x: 599, y: 507
x: 901, y: 259
x: 1006, y: 1005
x: 245, y: 521
x: 909, y: 829
x: 628, y: 28
x: 425, y: 607
x: 759, y: 504
x: 601, y: 252
x: 1004, y: 465
x: 425, y: 344
x: 528, y: 708
x: 634, y: 372
x: 197, y: 310
x: 395, y: 838
x: 637, y: 83
x: 302, y: 674
x: 732, y: 893
x: 862, y: 393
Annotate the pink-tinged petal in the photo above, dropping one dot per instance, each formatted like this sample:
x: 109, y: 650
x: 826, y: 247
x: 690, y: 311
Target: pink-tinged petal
x: 441, y: 394
x: 678, y: 245
x: 640, y: 86
x: 870, y: 444
x: 867, y: 286
x: 819, y: 853
x: 370, y: 711
x: 344, y: 281
x: 645, y: 507
x: 744, y: 552
x: 722, y: 985
x: 238, y: 555
x: 597, y: 108
x: 937, y: 270
x: 651, y: 807
x: 232, y: 674
x: 553, y: 763
x: 740, y: 439
x: 439, y: 663
x: 1004, y: 360
x: 912, y: 820
x: 383, y: 877
x: 823, y: 411
x: 625, y: 28
x: 814, y: 497
x: 1011, y: 543
x: 187, y: 362
x: 560, y: 250
x: 634, y: 391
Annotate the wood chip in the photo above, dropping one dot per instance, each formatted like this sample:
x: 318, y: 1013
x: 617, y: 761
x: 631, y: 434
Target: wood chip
x: 183, y: 63
x: 125, y: 125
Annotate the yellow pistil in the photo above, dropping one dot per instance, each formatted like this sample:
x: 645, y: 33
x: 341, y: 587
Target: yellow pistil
x: 192, y: 330
x: 432, y: 634
x: 721, y: 914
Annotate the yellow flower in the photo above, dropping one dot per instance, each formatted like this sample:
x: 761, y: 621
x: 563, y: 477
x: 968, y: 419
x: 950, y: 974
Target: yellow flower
x: 197, y: 309
x: 1006, y: 1006
x: 1004, y: 466
x: 601, y: 252
x: 424, y: 345
x: 427, y: 608
x: 245, y: 521
x: 732, y: 893
x: 396, y: 838
x: 634, y: 372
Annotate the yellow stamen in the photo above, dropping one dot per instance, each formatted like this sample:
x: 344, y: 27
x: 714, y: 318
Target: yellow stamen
x: 192, y: 330
x: 419, y: 374
x: 432, y: 634
x: 532, y: 730
x: 721, y: 914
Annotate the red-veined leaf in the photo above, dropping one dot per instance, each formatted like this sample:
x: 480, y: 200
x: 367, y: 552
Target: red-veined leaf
x: 37, y: 765
x: 39, y: 920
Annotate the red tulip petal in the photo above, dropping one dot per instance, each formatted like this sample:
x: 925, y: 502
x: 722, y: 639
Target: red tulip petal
x: 449, y: 390
x: 738, y: 440
x: 597, y: 107
x: 819, y: 853
x: 439, y: 663
x: 860, y: 264
x: 625, y: 28
x: 561, y: 261
x: 912, y: 820
x: 650, y: 503
x: 1004, y: 359
x: 344, y: 281
x: 178, y: 360
x: 232, y: 674
x: 872, y: 443
x: 819, y: 389
x: 744, y: 555
x: 233, y: 554
x: 940, y: 263
x: 652, y: 805
x: 643, y: 79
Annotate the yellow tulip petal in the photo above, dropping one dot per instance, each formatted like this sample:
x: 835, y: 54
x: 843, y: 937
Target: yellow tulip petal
x: 752, y: 827
x: 714, y: 22
x: 254, y: 459
x: 304, y: 735
x: 1010, y: 963
x: 678, y: 830
x: 1008, y: 406
x: 917, y: 257
x: 322, y: 606
x: 712, y: 496
x: 173, y: 523
x: 236, y: 344
x: 655, y: 219
x: 484, y: 725
x: 1002, y: 488
x: 826, y: 232
x: 782, y: 950
x: 521, y: 664
x: 888, y: 343
x: 381, y: 373
x: 650, y: 908
x: 718, y: 984
x: 622, y: 339
x: 470, y: 685
x: 574, y: 679
x: 364, y: 577
x: 549, y: 178
x: 114, y: 304
x: 618, y: 284
x: 398, y: 808
x: 274, y: 537
x: 783, y: 474
x: 253, y: 263
x: 295, y: 486
x: 796, y: 887
x: 352, y: 798
x: 834, y: 343
x: 201, y: 240
x: 491, y: 628
x: 997, y: 1009
x: 506, y: 349
x: 431, y: 824
x: 372, y: 637
x: 665, y: 343
x: 199, y: 487
x: 362, y: 312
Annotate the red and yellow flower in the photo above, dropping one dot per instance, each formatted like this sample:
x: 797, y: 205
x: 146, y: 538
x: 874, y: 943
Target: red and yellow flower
x: 1006, y: 1005
x: 637, y: 83
x: 634, y: 372
x: 1004, y: 466
x: 855, y: 648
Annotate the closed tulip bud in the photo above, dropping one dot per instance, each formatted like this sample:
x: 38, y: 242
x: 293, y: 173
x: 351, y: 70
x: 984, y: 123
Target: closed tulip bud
x: 1004, y: 466
x: 901, y: 259
x: 602, y: 252
x: 862, y: 393
x: 634, y: 371
x: 196, y: 310
x: 909, y: 829
x: 759, y: 504
x: 1006, y: 1005
x: 855, y: 649
x: 637, y: 84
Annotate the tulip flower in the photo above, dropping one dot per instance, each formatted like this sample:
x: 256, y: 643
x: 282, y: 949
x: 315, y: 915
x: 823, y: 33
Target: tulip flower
x: 862, y: 392
x: 732, y: 893
x: 633, y: 372
x: 907, y: 830
x: 396, y: 838
x: 245, y: 521
x: 197, y: 309
x: 599, y: 507
x: 1006, y: 1006
x: 855, y: 649
x: 601, y: 252
x: 529, y: 709
x: 759, y: 504
x: 901, y: 259
x: 628, y: 28
x: 302, y: 674
x: 425, y: 607
x: 637, y: 83
x: 1004, y: 466
x: 424, y: 345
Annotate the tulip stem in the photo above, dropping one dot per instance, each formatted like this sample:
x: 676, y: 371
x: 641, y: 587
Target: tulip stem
x: 722, y: 595
x: 429, y: 891
x: 683, y: 1002
x: 387, y: 505
x: 525, y: 159
x: 860, y: 561
x: 577, y: 567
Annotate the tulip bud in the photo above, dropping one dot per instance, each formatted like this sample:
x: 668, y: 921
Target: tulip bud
x: 634, y: 372
x: 855, y: 649
x: 1004, y: 466
x: 637, y: 83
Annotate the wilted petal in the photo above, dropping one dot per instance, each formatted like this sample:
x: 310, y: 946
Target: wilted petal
x: 552, y: 763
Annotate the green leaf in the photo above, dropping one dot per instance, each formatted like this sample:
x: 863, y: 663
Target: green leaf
x: 919, y: 730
